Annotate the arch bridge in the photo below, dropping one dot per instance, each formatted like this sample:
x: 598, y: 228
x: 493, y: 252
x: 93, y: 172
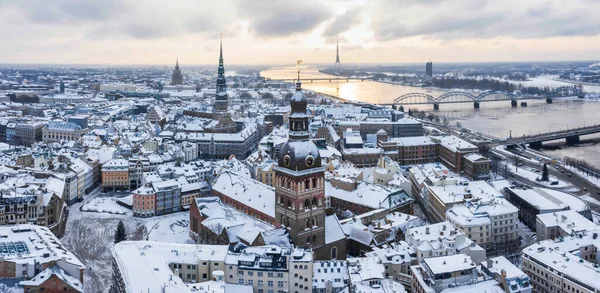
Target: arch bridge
x: 489, y: 96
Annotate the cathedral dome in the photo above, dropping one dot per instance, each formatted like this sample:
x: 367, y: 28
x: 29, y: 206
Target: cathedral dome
x: 298, y: 101
x: 298, y: 155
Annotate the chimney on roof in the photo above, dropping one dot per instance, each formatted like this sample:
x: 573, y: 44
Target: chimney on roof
x: 427, y: 230
x: 490, y: 263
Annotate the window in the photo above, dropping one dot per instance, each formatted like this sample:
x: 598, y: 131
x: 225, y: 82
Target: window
x: 241, y: 281
x: 260, y: 283
x: 250, y: 282
x: 259, y: 274
x: 334, y: 253
x: 270, y: 283
x: 280, y: 284
x: 250, y: 273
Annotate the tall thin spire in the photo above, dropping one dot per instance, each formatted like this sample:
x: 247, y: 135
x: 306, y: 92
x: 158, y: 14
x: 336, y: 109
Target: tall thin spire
x: 337, y: 49
x: 177, y: 63
x: 337, y: 68
x: 221, y: 98
x: 221, y: 50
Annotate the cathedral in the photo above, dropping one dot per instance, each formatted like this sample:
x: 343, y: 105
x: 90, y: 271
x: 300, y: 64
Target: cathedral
x: 300, y: 189
x: 177, y: 77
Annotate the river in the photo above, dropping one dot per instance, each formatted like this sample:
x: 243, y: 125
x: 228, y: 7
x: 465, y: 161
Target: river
x: 495, y: 118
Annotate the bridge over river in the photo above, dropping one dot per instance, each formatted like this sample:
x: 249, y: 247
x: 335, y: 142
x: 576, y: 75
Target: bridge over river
x: 489, y: 96
x: 535, y: 140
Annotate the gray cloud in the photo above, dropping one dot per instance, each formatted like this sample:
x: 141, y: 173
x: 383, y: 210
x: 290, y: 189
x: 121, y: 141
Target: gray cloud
x: 282, y: 18
x: 343, y: 22
x: 68, y: 11
x: 483, y: 20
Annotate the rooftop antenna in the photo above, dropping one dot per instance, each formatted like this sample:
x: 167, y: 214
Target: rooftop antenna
x: 298, y: 85
x: 298, y: 68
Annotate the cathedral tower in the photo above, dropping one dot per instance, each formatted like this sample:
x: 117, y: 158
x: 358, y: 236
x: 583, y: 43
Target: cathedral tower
x: 177, y: 77
x: 300, y: 180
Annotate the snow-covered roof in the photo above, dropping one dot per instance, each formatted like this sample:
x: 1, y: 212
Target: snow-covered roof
x: 449, y: 264
x: 569, y: 221
x: 62, y: 126
x: 548, y: 199
x: 59, y: 273
x: 247, y: 191
x: 218, y: 216
x: 455, y: 192
x: 333, y: 229
x: 564, y: 256
x: 455, y: 143
x: 144, y: 265
x: 364, y: 269
x: 366, y: 194
x: 116, y: 164
x: 412, y: 140
x: 437, y: 236
x: 479, y: 213
x: 26, y: 244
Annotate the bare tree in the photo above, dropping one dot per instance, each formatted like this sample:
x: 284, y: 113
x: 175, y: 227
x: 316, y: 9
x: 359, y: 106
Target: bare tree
x: 518, y: 160
x: 445, y: 121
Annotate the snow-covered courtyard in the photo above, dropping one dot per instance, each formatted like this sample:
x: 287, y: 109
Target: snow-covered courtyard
x: 89, y: 235
x: 106, y: 205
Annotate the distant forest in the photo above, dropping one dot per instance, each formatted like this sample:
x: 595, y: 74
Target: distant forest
x: 487, y: 84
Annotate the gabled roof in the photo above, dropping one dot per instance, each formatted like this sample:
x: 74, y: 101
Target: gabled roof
x: 59, y: 273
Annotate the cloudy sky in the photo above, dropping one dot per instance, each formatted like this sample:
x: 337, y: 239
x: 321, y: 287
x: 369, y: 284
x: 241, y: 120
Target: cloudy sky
x: 281, y: 31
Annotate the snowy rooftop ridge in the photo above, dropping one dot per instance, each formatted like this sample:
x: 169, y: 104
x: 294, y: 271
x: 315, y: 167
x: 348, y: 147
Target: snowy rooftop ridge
x: 248, y: 191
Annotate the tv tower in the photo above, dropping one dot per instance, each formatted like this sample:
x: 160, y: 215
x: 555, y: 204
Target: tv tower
x: 338, y: 67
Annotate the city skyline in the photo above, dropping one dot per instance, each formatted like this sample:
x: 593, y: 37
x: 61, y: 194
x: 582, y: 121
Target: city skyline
x: 120, y: 32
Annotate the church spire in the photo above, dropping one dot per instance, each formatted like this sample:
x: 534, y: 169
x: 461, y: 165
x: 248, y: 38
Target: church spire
x: 177, y: 63
x: 221, y: 102
x: 221, y: 49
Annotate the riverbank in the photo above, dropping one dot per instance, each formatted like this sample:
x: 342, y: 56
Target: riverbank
x: 576, y: 82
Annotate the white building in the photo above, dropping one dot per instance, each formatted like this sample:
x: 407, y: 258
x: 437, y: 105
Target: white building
x: 190, y: 151
x: 492, y: 223
x: 330, y: 276
x: 558, y: 224
x: 367, y: 274
x: 453, y: 273
x: 442, y: 239
x: 566, y: 265
x: 26, y: 249
x: 511, y: 278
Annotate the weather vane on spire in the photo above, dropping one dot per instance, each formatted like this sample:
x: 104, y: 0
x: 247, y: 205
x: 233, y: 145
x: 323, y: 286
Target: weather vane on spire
x: 298, y: 67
